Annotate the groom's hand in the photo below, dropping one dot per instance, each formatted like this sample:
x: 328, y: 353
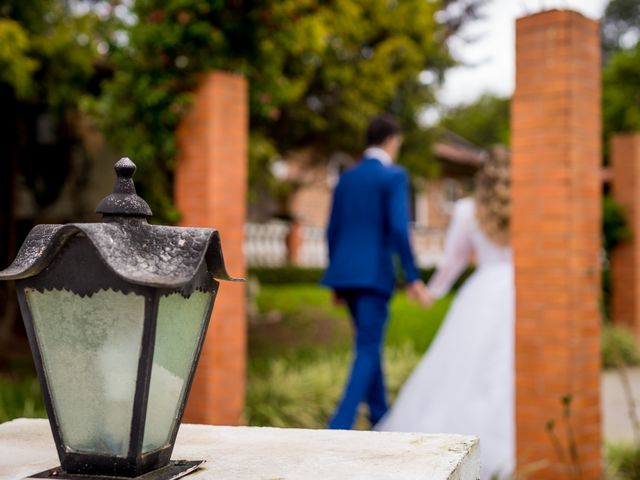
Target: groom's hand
x: 414, y: 290
x: 418, y: 292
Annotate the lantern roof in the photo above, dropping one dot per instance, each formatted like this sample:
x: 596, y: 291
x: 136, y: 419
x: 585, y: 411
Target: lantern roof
x: 139, y: 253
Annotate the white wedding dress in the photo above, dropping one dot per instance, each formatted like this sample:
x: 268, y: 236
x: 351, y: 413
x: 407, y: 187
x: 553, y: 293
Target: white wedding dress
x: 465, y: 381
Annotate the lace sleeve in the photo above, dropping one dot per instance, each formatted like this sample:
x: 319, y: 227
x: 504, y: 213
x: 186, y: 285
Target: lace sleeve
x: 457, y: 250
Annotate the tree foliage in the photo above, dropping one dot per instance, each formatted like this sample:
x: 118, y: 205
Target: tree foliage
x: 16, y: 66
x: 620, y: 26
x: 47, y: 52
x: 621, y: 74
x: 621, y: 95
x: 615, y: 225
x: 484, y: 122
x: 317, y: 70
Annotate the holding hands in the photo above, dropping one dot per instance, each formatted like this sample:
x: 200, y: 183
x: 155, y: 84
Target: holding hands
x: 418, y: 292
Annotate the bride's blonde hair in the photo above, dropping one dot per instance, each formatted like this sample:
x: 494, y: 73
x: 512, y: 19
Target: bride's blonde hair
x: 493, y: 197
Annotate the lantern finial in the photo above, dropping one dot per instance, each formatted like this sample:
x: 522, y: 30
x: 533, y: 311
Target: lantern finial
x: 124, y: 202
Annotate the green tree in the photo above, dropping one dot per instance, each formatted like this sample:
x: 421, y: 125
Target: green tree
x: 47, y: 57
x: 620, y: 26
x: 484, y: 122
x: 621, y: 96
x: 621, y: 72
x: 317, y: 70
x: 47, y: 52
x: 16, y: 65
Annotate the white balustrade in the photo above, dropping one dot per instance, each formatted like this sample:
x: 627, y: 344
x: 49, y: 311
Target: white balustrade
x: 266, y: 245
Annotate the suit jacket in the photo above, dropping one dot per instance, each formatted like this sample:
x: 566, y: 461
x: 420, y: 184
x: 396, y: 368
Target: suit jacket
x: 369, y: 223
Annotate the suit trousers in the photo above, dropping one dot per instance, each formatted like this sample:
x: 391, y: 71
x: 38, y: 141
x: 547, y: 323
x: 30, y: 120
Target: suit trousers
x: 370, y: 311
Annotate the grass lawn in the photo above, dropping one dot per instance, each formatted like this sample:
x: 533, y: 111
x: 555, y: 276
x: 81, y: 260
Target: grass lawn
x: 293, y: 318
x: 300, y: 351
x: 20, y: 397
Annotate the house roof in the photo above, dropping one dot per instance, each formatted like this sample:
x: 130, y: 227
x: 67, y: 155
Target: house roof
x: 454, y: 148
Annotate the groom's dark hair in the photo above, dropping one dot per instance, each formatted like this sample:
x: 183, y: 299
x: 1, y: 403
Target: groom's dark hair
x: 381, y: 128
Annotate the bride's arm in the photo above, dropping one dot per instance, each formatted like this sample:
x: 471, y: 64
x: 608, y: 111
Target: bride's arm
x: 457, y: 250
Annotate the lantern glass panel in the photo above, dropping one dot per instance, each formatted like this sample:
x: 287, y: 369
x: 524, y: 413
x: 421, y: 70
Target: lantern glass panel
x: 90, y: 348
x: 179, y: 328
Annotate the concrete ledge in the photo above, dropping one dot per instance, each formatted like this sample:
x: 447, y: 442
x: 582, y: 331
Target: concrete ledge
x: 26, y: 447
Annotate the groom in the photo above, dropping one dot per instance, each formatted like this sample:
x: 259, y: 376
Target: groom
x: 369, y: 223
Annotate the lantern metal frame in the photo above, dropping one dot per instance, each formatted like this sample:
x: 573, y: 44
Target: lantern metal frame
x: 120, y: 254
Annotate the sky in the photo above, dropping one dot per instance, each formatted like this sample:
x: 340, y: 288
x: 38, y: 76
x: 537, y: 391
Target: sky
x: 490, y: 58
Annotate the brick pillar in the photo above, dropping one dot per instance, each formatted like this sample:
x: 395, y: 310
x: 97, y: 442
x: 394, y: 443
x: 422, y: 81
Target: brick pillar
x: 556, y: 238
x: 625, y: 264
x: 295, y: 242
x: 210, y: 186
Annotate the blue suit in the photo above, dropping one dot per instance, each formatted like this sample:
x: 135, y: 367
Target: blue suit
x: 369, y: 224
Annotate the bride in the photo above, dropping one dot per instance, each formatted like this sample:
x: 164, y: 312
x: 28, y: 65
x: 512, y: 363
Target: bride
x: 465, y: 382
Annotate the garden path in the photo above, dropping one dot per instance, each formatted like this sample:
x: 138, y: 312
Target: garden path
x: 616, y: 418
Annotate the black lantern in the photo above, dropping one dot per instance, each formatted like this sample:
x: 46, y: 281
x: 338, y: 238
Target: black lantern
x: 116, y: 314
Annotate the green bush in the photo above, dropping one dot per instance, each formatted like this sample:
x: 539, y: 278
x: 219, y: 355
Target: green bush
x: 615, y: 226
x: 20, y: 398
x: 615, y: 230
x: 286, y: 275
x: 287, y: 393
x: 618, y: 345
x: 623, y: 462
x: 304, y: 394
x: 300, y: 351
